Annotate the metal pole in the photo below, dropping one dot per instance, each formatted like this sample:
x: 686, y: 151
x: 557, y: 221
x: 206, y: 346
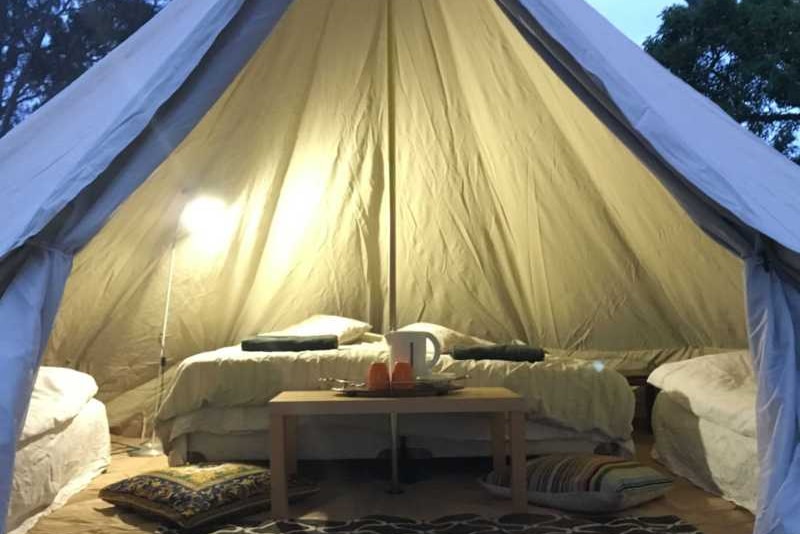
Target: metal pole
x: 162, y: 361
x: 395, y: 487
x: 392, y: 149
x: 151, y: 447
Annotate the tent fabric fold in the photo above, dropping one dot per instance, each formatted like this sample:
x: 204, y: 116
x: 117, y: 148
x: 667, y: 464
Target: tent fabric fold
x: 540, y: 177
x: 686, y: 129
x: 773, y: 306
x: 144, y: 72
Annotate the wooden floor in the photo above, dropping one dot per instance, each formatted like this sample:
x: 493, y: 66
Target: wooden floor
x: 350, y: 491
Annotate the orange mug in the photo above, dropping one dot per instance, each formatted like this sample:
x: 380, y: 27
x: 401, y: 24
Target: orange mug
x: 402, y: 376
x: 378, y: 377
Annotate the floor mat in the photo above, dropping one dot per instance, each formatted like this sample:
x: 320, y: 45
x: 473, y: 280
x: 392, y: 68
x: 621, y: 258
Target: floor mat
x: 532, y: 523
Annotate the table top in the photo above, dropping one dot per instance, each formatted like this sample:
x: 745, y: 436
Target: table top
x: 467, y: 400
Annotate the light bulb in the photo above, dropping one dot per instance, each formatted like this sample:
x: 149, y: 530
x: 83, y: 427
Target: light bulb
x: 204, y: 215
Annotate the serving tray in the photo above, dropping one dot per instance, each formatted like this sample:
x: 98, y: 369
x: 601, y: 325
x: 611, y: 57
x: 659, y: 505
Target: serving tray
x: 420, y: 388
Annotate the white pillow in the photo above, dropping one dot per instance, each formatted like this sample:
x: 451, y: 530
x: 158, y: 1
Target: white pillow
x: 346, y: 329
x: 59, y: 394
x: 448, y: 338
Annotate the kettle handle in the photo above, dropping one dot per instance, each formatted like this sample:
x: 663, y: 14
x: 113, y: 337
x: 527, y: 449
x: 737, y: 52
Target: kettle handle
x: 437, y: 349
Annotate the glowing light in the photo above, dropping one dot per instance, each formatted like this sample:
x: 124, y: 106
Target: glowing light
x: 209, y: 221
x: 598, y: 365
x: 203, y: 214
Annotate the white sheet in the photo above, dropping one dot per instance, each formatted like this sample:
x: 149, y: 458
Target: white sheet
x: 711, y: 456
x: 720, y: 388
x: 58, y: 464
x: 566, y: 392
x: 59, y: 394
x: 637, y: 362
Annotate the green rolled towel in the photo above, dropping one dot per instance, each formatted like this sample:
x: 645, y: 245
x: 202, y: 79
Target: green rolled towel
x: 510, y: 353
x: 289, y: 343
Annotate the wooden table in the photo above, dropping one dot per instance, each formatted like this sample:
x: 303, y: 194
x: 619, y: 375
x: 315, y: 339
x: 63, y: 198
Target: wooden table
x: 505, y: 405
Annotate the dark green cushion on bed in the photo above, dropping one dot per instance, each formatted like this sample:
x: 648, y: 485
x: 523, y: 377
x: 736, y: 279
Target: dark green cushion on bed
x: 193, y: 495
x: 509, y: 353
x: 269, y: 343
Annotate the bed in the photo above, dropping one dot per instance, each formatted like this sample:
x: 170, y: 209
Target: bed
x: 216, y: 407
x: 638, y: 363
x: 64, y: 444
x: 704, y: 424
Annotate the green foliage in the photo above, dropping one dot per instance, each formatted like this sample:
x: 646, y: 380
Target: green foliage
x: 745, y: 56
x: 46, y: 44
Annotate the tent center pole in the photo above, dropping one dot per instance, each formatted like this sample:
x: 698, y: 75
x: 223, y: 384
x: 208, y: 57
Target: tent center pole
x: 395, y: 487
x: 392, y: 185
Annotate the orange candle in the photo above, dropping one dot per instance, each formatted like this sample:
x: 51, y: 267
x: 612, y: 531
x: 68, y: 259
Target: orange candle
x: 378, y: 377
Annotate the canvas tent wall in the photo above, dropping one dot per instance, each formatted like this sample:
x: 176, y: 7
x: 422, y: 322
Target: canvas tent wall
x: 527, y: 149
x: 519, y: 214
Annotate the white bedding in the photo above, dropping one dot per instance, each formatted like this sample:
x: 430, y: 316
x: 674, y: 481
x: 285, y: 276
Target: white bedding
x: 560, y: 392
x: 55, y: 465
x: 713, y: 457
x: 720, y: 388
x: 59, y: 394
x: 637, y: 362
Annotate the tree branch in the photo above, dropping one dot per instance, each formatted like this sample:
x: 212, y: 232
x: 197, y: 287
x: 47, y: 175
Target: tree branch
x: 12, y: 104
x: 770, y: 117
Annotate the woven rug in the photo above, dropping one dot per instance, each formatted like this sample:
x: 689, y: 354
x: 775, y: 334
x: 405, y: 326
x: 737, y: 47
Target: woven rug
x: 536, y: 523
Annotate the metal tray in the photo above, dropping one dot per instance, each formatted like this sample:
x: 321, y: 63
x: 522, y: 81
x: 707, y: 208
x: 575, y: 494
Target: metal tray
x: 418, y: 388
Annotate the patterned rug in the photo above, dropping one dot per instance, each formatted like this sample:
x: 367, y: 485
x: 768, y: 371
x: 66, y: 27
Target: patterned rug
x: 537, y: 523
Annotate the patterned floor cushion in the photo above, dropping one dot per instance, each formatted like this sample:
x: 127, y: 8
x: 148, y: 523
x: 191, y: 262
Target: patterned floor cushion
x: 585, y: 483
x: 193, y: 495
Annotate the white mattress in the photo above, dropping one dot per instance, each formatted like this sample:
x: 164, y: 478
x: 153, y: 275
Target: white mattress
x: 243, y: 434
x: 720, y: 388
x: 637, y: 362
x: 55, y: 465
x: 560, y: 392
x: 715, y: 458
x: 58, y: 395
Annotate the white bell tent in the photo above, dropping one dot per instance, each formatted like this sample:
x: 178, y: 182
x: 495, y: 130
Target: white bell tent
x: 516, y: 169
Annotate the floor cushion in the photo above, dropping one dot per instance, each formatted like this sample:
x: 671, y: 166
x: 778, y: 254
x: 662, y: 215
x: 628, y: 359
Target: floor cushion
x: 193, y: 495
x: 585, y: 483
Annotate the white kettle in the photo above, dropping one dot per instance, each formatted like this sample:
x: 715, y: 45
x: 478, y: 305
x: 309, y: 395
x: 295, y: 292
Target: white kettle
x: 410, y: 346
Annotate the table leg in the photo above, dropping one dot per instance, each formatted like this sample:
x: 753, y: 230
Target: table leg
x: 290, y: 444
x: 499, y: 442
x: 280, y: 500
x: 519, y: 469
x: 394, y: 488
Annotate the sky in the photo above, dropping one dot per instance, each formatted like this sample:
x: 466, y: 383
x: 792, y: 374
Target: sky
x: 637, y: 19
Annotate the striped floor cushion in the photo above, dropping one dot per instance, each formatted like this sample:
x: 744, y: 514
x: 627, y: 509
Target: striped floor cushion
x: 586, y: 483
